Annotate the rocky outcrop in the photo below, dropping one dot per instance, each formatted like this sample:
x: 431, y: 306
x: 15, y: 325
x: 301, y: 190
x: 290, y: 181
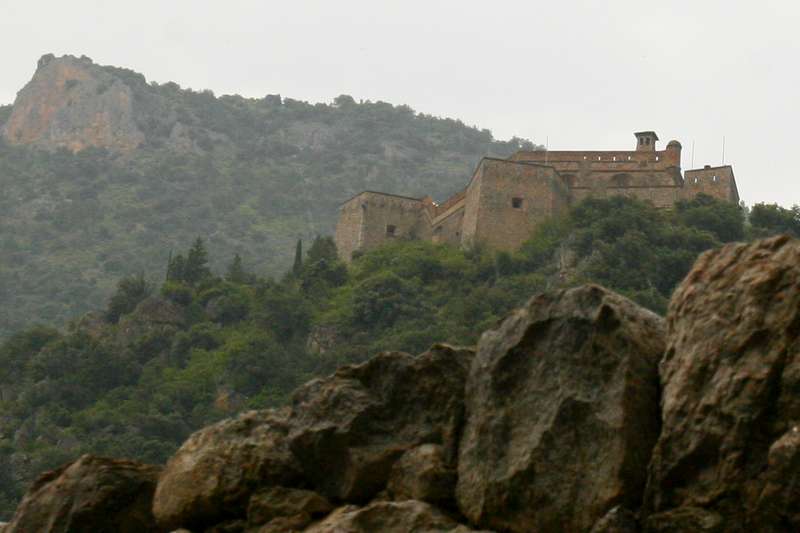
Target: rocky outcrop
x: 279, y: 508
x: 424, y: 474
x: 727, y: 456
x: 341, y: 437
x: 213, y: 475
x: 153, y: 315
x: 389, y: 517
x: 73, y: 103
x: 92, y: 494
x: 350, y: 428
x: 562, y: 412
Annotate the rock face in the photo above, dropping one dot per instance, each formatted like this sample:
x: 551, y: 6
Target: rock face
x: 562, y: 413
x: 341, y: 437
x: 388, y: 517
x: 74, y: 104
x: 279, y: 508
x: 350, y: 428
x: 422, y: 473
x: 92, y: 494
x: 728, y: 452
x: 212, y: 476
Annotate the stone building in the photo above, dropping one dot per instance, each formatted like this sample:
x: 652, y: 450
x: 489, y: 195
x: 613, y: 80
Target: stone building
x: 507, y: 198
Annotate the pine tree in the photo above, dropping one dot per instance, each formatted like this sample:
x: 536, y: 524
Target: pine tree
x: 236, y: 272
x: 196, y: 268
x: 176, y: 268
x: 297, y: 268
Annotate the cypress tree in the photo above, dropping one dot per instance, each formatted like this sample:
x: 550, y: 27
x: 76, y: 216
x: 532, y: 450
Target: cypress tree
x: 298, y: 259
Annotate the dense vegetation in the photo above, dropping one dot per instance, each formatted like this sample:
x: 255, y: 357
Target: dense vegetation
x: 252, y: 175
x: 166, y: 358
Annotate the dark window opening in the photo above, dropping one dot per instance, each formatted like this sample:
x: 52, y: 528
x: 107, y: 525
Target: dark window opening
x: 516, y: 203
x: 647, y: 140
x: 390, y: 230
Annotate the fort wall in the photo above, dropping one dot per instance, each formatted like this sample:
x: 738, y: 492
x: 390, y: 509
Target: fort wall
x: 506, y: 199
x: 717, y: 182
x: 514, y: 198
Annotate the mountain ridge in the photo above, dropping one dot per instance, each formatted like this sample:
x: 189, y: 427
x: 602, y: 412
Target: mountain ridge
x: 249, y: 175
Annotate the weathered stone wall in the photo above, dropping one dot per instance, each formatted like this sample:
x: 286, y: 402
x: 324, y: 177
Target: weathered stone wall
x: 514, y: 198
x: 506, y: 199
x: 350, y: 227
x: 717, y: 182
x: 447, y: 227
x: 652, y: 176
x: 371, y: 219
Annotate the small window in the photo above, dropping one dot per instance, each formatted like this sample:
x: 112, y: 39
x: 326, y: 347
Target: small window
x: 615, y: 158
x: 641, y: 140
x: 714, y: 179
x: 647, y: 140
x: 657, y: 158
x: 516, y: 203
x: 390, y: 230
x: 695, y: 180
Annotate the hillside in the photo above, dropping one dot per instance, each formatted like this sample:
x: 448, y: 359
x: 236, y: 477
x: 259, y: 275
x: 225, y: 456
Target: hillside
x: 102, y: 174
x: 161, y: 361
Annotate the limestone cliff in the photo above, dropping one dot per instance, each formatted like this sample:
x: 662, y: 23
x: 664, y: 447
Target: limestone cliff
x: 74, y: 104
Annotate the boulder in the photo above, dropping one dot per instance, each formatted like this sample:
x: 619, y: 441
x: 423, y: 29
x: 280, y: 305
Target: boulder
x: 617, y: 520
x: 284, y: 507
x: 213, y: 474
x: 349, y: 429
x: 562, y: 413
x: 388, y: 517
x: 422, y: 473
x: 730, y: 403
x: 92, y: 494
x: 683, y: 520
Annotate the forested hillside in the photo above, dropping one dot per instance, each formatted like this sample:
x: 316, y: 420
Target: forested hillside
x: 252, y: 175
x: 163, y: 359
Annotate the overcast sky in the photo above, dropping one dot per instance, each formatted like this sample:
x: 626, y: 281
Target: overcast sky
x: 585, y: 74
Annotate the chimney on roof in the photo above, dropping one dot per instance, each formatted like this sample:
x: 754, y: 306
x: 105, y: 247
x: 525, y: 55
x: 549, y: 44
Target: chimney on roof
x: 646, y: 141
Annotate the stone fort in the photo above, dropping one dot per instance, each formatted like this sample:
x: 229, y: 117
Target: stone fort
x: 507, y: 198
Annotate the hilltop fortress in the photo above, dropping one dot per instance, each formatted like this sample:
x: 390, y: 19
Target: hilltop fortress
x: 507, y: 198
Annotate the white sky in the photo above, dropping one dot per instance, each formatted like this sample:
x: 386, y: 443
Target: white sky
x: 585, y: 74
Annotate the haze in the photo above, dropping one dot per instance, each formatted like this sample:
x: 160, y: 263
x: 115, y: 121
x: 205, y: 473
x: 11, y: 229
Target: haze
x: 579, y: 75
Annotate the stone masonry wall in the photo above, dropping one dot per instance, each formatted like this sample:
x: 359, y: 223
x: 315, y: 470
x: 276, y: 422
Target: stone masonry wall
x: 506, y: 199
x: 349, y: 228
x: 382, y: 212
x: 514, y: 198
x: 717, y: 182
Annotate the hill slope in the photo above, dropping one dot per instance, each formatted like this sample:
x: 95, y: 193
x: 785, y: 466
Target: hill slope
x: 102, y: 174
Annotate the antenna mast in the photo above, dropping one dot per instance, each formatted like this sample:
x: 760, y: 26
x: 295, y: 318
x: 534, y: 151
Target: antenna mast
x: 723, y: 149
x: 546, y: 148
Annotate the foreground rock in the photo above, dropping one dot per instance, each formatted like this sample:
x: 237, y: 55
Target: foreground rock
x: 350, y: 428
x: 562, y: 413
x: 341, y: 438
x: 729, y: 455
x: 92, y: 494
x: 213, y: 474
x: 422, y: 473
x: 282, y: 509
x: 389, y: 517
